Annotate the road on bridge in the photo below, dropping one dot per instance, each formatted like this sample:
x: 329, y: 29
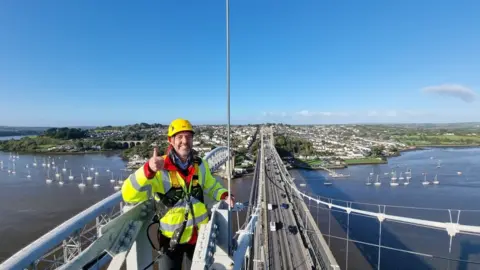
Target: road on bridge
x: 286, y: 249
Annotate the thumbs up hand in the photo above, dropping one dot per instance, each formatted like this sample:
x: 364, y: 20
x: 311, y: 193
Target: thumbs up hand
x: 155, y: 163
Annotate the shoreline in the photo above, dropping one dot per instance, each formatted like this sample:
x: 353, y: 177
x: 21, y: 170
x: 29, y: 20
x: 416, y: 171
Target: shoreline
x: 62, y: 153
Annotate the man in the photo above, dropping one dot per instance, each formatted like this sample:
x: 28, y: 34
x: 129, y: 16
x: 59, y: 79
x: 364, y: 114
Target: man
x: 179, y: 180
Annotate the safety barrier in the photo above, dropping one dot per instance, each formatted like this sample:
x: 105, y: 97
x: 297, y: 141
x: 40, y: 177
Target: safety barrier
x: 70, y: 238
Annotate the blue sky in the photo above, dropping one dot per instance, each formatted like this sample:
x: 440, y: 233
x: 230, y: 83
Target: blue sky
x: 120, y: 62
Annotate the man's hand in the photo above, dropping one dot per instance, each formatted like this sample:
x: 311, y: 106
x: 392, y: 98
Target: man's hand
x: 230, y: 200
x: 155, y: 162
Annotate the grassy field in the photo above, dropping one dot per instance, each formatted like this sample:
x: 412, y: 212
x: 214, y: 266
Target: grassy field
x: 364, y: 161
x: 313, y: 162
x: 440, y: 140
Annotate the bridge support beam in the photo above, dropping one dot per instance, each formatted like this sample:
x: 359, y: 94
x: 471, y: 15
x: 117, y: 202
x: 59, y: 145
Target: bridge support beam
x: 226, y: 168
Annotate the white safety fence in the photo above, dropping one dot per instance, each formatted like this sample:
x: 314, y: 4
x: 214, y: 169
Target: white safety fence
x: 65, y: 242
x: 429, y: 242
x: 402, y: 228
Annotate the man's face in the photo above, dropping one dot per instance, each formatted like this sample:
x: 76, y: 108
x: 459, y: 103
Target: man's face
x: 182, y: 142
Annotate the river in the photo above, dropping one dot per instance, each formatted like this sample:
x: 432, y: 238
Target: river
x: 453, y: 192
x: 30, y: 207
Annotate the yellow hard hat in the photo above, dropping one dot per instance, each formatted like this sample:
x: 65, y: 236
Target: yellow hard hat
x: 179, y: 125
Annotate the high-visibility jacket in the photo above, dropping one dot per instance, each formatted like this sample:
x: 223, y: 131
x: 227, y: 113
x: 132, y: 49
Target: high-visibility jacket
x: 170, y: 186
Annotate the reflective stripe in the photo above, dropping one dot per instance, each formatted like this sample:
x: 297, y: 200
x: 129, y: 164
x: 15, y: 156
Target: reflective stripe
x: 148, y: 189
x: 202, y: 172
x: 173, y: 227
x: 166, y: 181
x: 216, y: 192
x: 207, y: 191
x: 134, y: 182
x: 137, y: 187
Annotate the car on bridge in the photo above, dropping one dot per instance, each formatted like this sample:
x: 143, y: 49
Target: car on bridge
x: 273, y: 226
x: 284, y: 205
x: 292, y: 229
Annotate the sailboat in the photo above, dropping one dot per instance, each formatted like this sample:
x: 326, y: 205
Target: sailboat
x: 81, y: 185
x: 60, y: 182
x: 393, y: 183
x: 435, y: 181
x: 89, y: 177
x: 377, y: 182
x: 438, y: 164
x: 71, y: 176
x: 118, y: 185
x: 29, y: 175
x: 112, y: 180
x: 409, y: 174
x: 96, y: 172
x: 34, y: 161
x: 95, y: 183
x: 394, y: 175
x: 48, y: 177
x: 401, y: 176
x: 371, y: 173
x: 368, y: 183
x: 13, y: 170
x: 57, y: 174
x: 65, y: 166
x: 425, y: 182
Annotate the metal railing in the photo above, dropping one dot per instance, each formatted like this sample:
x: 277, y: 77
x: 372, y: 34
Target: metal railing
x: 63, y: 243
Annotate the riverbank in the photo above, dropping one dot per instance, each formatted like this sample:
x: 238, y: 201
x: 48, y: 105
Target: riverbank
x: 43, y: 153
x: 366, y: 161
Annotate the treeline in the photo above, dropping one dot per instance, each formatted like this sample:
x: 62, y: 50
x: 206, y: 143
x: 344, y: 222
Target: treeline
x: 296, y: 146
x: 144, y: 150
x: 66, y: 133
x: 28, y: 144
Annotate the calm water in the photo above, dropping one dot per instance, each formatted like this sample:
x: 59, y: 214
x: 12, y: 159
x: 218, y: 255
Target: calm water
x: 30, y: 207
x: 454, y: 192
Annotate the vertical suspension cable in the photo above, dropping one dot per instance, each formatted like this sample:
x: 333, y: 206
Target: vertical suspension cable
x: 229, y: 178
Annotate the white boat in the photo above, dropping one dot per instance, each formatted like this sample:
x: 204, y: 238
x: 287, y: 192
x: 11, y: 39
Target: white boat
x: 34, y: 162
x: 57, y: 174
x: 81, y: 185
x: 425, y: 182
x: 393, y: 183
x: 377, y: 182
x: 394, y: 175
x: 29, y: 175
x: 327, y: 183
x: 70, y: 177
x: 48, y: 177
x: 13, y: 170
x: 89, y: 177
x: 435, y: 181
x: 439, y: 164
x: 112, y: 180
x: 371, y: 173
x: 459, y: 173
x: 95, y: 185
x: 368, y: 183
x: 60, y: 182
x: 64, y: 166
x: 401, y: 176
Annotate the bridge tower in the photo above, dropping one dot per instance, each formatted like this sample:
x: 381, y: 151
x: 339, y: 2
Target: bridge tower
x: 223, y: 170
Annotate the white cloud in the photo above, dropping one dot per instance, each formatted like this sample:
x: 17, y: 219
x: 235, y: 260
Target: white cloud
x: 391, y: 113
x: 307, y: 113
x: 372, y: 113
x: 454, y: 90
x: 274, y: 114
